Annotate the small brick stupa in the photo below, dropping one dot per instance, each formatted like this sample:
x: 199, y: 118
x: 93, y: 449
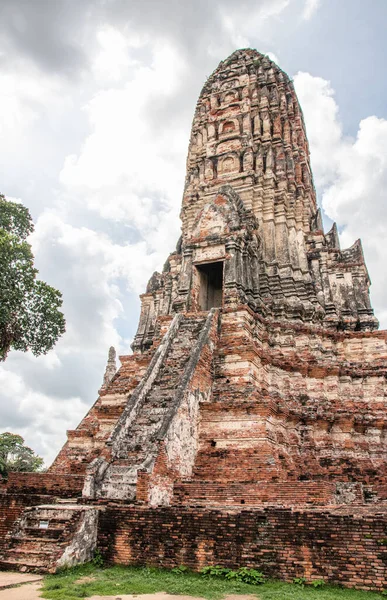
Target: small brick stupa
x: 252, y: 411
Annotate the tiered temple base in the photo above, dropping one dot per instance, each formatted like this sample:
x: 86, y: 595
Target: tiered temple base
x: 241, y: 453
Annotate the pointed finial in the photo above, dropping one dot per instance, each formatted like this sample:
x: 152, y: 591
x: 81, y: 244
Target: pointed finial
x: 111, y: 367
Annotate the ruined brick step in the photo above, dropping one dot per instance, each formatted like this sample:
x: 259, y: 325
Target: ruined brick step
x: 38, y: 533
x: 54, y: 523
x: 144, y: 429
x: 131, y: 452
x: 69, y: 501
x: 31, y: 557
x: 26, y: 566
x: 160, y: 404
x: 35, y: 548
x: 58, y: 512
x: 119, y: 483
x: 121, y: 464
x: 135, y: 447
x: 35, y: 539
x: 130, y: 468
x: 28, y: 546
x: 163, y: 390
x: 167, y: 381
x: 140, y: 446
x: 128, y: 477
x: 150, y: 420
x: 164, y: 387
x: 140, y: 433
x: 191, y: 325
x: 121, y: 468
x: 139, y: 451
x: 110, y: 490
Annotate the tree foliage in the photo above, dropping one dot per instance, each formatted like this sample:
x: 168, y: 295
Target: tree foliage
x: 30, y: 318
x: 15, y: 456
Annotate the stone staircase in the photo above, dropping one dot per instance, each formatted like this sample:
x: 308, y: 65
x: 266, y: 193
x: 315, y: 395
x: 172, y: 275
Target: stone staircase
x: 138, y: 449
x: 50, y: 536
x: 85, y: 442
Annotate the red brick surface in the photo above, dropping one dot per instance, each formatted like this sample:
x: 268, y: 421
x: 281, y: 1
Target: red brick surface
x: 45, y: 484
x: 346, y: 546
x: 292, y: 493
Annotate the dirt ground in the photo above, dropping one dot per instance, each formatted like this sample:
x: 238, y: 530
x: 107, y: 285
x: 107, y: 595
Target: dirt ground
x: 29, y: 586
x: 28, y: 590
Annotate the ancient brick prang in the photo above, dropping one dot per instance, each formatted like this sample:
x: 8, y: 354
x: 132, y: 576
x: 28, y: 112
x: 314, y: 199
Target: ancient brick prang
x: 250, y: 424
x: 249, y: 201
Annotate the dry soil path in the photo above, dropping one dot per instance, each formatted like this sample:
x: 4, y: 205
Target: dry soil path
x: 29, y: 586
x: 28, y: 582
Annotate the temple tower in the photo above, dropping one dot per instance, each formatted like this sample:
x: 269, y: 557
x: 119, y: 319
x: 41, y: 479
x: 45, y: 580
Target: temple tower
x: 255, y: 359
x: 257, y: 379
x: 250, y: 221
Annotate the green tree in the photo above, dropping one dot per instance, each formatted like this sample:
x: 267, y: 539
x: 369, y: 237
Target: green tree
x: 30, y: 318
x: 15, y: 456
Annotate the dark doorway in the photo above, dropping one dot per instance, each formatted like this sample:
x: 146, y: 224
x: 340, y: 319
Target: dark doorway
x: 211, y: 285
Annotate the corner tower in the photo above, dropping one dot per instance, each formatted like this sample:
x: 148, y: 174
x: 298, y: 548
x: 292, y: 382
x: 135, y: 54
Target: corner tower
x: 249, y: 204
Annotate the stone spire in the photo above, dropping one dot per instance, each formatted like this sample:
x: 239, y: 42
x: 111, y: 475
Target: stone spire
x: 111, y: 367
x: 250, y: 203
x: 248, y: 131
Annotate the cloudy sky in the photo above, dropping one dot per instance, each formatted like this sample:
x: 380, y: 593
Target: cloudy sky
x: 96, y: 103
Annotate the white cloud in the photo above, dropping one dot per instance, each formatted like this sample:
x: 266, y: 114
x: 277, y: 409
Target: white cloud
x: 324, y: 129
x: 131, y: 167
x: 113, y: 58
x: 272, y: 57
x: 311, y: 6
x: 26, y: 93
x: 242, y: 24
x: 351, y: 176
x: 42, y: 397
x: 41, y: 420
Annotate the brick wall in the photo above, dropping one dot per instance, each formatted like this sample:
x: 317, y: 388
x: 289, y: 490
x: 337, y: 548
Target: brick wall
x: 290, y: 493
x: 342, y: 545
x: 45, y: 484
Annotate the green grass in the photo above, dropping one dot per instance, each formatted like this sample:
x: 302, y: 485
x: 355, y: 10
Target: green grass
x: 143, y: 580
